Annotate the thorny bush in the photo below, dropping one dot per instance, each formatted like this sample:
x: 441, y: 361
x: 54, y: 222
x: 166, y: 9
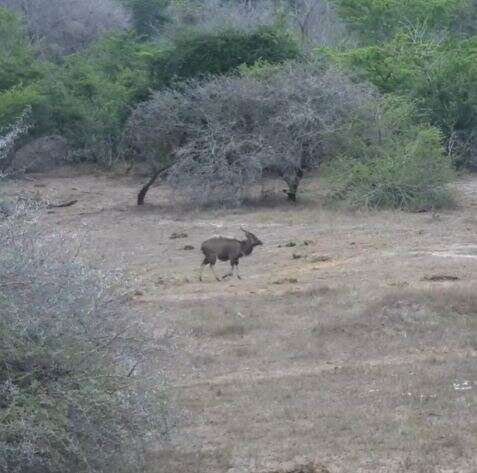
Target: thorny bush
x: 222, y: 135
x: 74, y: 362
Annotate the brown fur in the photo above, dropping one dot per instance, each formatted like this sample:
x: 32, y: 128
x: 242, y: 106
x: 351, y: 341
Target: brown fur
x: 227, y: 249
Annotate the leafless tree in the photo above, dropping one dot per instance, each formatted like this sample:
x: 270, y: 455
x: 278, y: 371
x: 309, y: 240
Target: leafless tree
x: 221, y: 136
x: 317, y: 22
x: 65, y: 26
x: 211, y: 15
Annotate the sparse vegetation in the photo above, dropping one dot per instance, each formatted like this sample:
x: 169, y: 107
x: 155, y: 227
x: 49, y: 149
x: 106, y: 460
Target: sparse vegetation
x: 77, y: 390
x: 347, y: 328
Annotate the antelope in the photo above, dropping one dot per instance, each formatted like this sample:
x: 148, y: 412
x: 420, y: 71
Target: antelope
x: 227, y: 249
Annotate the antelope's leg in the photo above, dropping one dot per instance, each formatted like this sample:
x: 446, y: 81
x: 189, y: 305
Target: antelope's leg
x: 231, y: 273
x: 202, y: 266
x: 213, y: 271
x: 238, y: 272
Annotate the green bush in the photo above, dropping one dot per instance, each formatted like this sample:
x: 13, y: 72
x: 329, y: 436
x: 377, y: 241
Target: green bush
x: 441, y: 78
x: 147, y: 15
x: 196, y: 54
x: 378, y: 20
x: 403, y: 167
x: 19, y: 69
x: 78, y: 391
x: 89, y: 97
x: 17, y: 60
x: 14, y: 101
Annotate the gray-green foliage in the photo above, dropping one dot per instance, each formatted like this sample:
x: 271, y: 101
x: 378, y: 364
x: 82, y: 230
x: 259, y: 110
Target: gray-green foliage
x: 70, y: 399
x: 223, y: 134
x: 61, y: 27
x: 10, y: 135
x: 399, y: 165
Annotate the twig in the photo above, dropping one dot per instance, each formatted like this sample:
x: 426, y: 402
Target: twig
x: 63, y: 204
x: 132, y: 369
x: 14, y: 283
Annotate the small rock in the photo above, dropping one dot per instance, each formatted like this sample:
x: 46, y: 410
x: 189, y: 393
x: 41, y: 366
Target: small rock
x: 188, y: 248
x: 296, y: 256
x: 176, y: 235
x: 138, y: 292
x: 422, y: 209
x: 320, y: 259
x: 290, y: 244
x: 286, y: 281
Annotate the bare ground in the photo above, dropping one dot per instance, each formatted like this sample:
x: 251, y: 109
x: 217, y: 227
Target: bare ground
x: 356, y: 348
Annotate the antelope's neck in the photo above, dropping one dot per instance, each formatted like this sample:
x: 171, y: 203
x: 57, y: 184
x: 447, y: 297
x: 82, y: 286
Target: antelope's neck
x: 247, y: 247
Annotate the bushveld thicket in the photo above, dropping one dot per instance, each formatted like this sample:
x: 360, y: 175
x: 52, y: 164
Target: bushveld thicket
x: 78, y: 387
x: 381, y: 95
x: 129, y: 53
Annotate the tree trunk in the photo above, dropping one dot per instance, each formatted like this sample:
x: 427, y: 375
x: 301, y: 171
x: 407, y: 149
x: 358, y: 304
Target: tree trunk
x: 142, y: 193
x: 293, y: 182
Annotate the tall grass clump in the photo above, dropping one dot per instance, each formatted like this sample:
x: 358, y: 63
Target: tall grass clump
x: 74, y: 361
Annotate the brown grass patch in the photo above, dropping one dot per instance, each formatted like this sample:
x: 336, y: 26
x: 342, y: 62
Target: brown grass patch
x: 307, y: 468
x: 445, y: 301
x: 230, y: 330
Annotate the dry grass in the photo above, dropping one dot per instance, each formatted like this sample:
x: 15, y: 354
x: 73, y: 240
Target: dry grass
x: 355, y: 361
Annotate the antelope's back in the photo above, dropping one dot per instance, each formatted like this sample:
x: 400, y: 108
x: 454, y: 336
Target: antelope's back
x: 220, y: 246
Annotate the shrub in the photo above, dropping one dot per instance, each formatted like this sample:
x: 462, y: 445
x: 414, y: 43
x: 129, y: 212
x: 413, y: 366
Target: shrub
x: 317, y: 23
x: 15, y: 100
x: 207, y: 16
x: 17, y: 61
x: 18, y: 69
x: 89, y: 98
x: 147, y: 15
x: 465, y: 23
x: 75, y: 363
x: 195, y: 54
x: 310, y: 21
x: 441, y: 78
x: 60, y: 27
x: 11, y: 135
x: 378, y: 20
x: 404, y: 167
x: 222, y: 135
